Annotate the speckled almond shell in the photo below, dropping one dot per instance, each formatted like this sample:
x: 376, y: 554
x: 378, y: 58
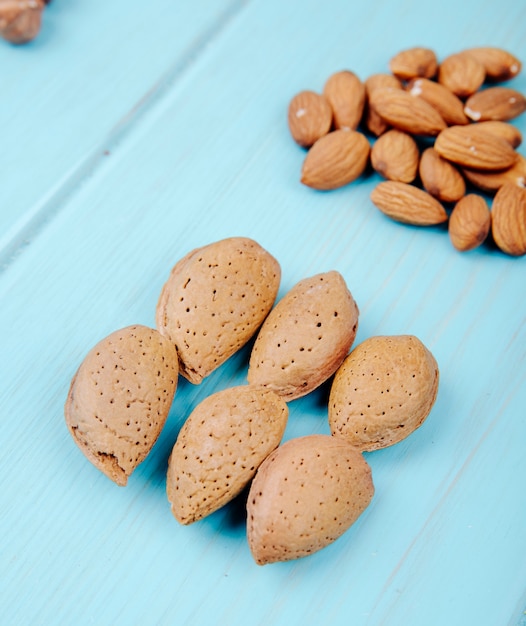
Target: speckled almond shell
x: 120, y: 397
x: 220, y: 447
x: 305, y: 495
x: 383, y: 391
x: 306, y: 336
x: 214, y: 301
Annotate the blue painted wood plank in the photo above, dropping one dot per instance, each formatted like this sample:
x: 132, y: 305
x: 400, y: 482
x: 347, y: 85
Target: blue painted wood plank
x: 443, y: 540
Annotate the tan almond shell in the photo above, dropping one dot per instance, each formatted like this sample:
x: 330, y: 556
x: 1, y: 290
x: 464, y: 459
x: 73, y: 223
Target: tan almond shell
x: 495, y: 103
x: 395, y: 156
x: 346, y: 95
x: 469, y: 223
x: 383, y: 391
x: 450, y: 106
x: 214, y: 301
x: 498, y: 63
x: 309, y: 117
x: 408, y: 204
x: 120, y: 397
x: 414, y: 62
x: 306, y: 336
x: 219, y: 448
x: 440, y: 177
x: 21, y: 20
x: 304, y: 496
x: 335, y: 160
x: 508, y: 219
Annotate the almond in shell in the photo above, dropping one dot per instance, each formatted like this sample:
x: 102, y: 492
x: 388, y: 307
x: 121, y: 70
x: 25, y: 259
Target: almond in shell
x: 471, y: 147
x: 309, y: 117
x: 304, y: 496
x: 499, y: 64
x: 305, y: 337
x: 120, y: 397
x: 346, y: 94
x: 335, y: 160
x: 495, y: 103
x: 450, y: 106
x: 20, y: 20
x: 508, y: 219
x: 408, y: 204
x: 462, y: 74
x: 414, y: 62
x: 401, y: 110
x: 395, y: 156
x: 383, y: 391
x: 219, y: 448
x: 440, y: 177
x: 469, y: 222
x: 214, y: 301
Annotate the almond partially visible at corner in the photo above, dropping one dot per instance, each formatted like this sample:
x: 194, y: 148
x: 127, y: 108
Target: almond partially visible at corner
x: 469, y: 222
x: 508, y: 223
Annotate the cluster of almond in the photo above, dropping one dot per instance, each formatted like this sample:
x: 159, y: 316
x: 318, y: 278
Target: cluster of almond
x: 436, y: 129
x: 20, y: 20
x: 303, y: 494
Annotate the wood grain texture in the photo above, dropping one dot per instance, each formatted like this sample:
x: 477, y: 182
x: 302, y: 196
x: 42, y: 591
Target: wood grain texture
x: 444, y: 539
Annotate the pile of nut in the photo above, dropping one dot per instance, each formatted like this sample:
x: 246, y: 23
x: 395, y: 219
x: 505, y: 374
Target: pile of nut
x: 441, y: 137
x: 302, y: 494
x: 21, y: 20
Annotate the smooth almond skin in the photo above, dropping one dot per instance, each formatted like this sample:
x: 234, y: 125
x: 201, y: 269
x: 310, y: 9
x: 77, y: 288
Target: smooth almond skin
x: 491, y: 182
x: 306, y: 336
x: 120, y: 397
x: 309, y: 117
x: 219, y: 448
x: 375, y: 124
x: 214, y: 301
x: 450, y: 106
x: 401, y: 110
x: 498, y: 63
x: 462, y: 74
x: 414, y: 62
x: 504, y: 130
x: 469, y: 223
x: 395, y: 156
x: 304, y: 496
x: 508, y: 219
x: 408, y: 204
x: 495, y: 103
x: 20, y: 20
x: 383, y: 391
x: 440, y: 178
x: 471, y: 147
x: 335, y: 160
x: 346, y: 95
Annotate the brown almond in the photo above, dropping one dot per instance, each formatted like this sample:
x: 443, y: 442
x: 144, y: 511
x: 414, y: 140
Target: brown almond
x: 219, y: 448
x: 469, y: 222
x: 120, y: 397
x: 408, y: 204
x: 506, y: 131
x: 450, y: 106
x: 493, y: 181
x: 383, y: 391
x: 214, y: 301
x: 305, y: 337
x: 395, y: 156
x: 508, y: 219
x: 20, y: 20
x: 462, y: 74
x: 498, y: 63
x: 309, y: 117
x: 414, y: 62
x: 440, y: 177
x: 304, y: 496
x: 495, y: 103
x: 468, y: 146
x: 346, y: 94
x: 374, y: 123
x: 335, y: 160
x: 401, y: 110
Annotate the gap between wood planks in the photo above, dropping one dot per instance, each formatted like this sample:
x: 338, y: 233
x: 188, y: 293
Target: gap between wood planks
x: 25, y: 230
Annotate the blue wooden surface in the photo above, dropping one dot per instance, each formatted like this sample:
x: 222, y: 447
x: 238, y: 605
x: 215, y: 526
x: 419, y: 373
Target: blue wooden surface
x: 130, y: 136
